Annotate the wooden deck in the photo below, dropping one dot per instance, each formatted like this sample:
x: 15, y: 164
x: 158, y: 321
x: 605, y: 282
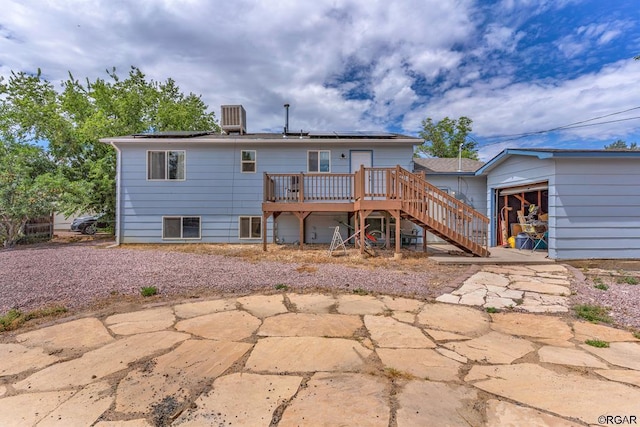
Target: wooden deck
x: 395, y: 191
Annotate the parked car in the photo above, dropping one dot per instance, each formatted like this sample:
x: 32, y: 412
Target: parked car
x: 89, y: 224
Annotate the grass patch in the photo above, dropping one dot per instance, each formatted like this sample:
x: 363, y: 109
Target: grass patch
x: 597, y: 343
x: 492, y: 310
x: 592, y: 313
x: 360, y: 291
x: 281, y: 287
x: 628, y: 280
x: 601, y: 286
x: 15, y: 318
x: 148, y: 291
x: 598, y: 281
x: 636, y: 334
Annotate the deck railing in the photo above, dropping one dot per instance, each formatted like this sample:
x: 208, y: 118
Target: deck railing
x: 441, y: 213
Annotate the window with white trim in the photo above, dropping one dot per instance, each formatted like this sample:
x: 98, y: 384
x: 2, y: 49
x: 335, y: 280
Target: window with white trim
x: 250, y: 227
x: 166, y: 165
x: 248, y: 161
x: 181, y: 227
x: 319, y: 161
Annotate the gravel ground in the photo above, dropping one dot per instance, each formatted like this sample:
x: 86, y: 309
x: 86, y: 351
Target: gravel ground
x: 78, y: 275
x: 86, y: 274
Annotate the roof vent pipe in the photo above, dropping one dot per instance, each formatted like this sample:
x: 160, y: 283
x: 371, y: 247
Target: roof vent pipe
x: 286, y: 118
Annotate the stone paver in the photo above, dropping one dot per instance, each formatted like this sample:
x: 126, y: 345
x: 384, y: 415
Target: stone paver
x: 312, y: 303
x: 625, y: 354
x: 310, y: 325
x: 138, y: 322
x: 420, y: 363
x: 569, y: 357
x: 388, y: 332
x: 306, y: 354
x: 493, y: 347
x: 263, y: 305
x: 101, y: 362
x: 241, y: 399
x: 589, y: 331
x: 17, y: 358
x: 199, y: 308
x: 453, y: 318
x: 190, y: 365
x: 455, y: 405
x: 225, y: 326
x: 340, y: 399
x: 81, y: 334
x: 289, y: 359
x: 505, y: 414
x: 568, y: 395
x: 360, y: 304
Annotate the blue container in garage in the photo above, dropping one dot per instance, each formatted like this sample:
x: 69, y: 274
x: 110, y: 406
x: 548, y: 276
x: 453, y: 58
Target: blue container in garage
x: 523, y: 241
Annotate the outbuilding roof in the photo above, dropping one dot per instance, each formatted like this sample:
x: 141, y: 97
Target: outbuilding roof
x: 435, y: 165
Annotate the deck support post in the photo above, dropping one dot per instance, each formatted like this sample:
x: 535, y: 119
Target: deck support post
x: 265, y: 217
x: 424, y: 239
x: 301, y: 217
x: 396, y: 216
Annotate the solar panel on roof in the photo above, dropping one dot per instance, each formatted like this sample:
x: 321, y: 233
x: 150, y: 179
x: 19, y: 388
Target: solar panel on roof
x: 352, y: 134
x: 173, y: 134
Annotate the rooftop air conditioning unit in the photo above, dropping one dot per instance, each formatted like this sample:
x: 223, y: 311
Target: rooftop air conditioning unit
x: 234, y: 119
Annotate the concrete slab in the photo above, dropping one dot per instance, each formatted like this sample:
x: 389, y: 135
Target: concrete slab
x: 200, y: 308
x: 389, y: 333
x: 420, y: 363
x: 306, y: 354
x: 499, y: 256
x: 625, y: 354
x: 97, y: 364
x: 263, y: 305
x: 505, y: 414
x: 484, y: 278
x: 138, y: 322
x: 241, y: 399
x: 175, y: 374
x: 456, y: 405
x: 493, y: 347
x: 309, y: 324
x: 223, y: 326
x: 547, y: 390
x: 16, y: 358
x: 81, y: 335
x: 312, y: 303
x: 360, y: 304
x: 454, y: 318
x: 333, y: 399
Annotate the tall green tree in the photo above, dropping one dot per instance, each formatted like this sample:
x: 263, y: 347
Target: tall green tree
x: 73, y: 120
x: 622, y: 145
x: 29, y: 188
x: 446, y: 137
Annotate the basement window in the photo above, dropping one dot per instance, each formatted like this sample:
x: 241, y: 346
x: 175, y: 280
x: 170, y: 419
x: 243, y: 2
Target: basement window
x: 181, y: 227
x: 250, y: 227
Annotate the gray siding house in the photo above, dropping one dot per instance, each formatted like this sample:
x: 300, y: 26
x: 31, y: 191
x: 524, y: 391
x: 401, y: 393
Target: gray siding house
x: 591, y: 197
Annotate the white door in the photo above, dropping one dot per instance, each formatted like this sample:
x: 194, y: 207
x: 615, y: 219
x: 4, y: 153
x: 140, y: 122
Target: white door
x: 358, y: 158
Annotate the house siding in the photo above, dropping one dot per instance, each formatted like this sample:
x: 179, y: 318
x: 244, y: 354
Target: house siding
x: 597, y: 209
x: 217, y: 191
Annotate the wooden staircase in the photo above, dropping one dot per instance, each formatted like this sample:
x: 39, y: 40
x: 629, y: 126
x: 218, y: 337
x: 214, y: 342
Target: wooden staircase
x: 441, y: 214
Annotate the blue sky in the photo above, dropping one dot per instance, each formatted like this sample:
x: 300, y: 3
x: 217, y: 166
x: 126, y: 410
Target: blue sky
x: 513, y: 66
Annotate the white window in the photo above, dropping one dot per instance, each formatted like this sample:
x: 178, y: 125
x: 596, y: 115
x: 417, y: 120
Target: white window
x: 319, y: 161
x: 248, y: 161
x: 250, y: 227
x: 180, y: 227
x: 166, y: 165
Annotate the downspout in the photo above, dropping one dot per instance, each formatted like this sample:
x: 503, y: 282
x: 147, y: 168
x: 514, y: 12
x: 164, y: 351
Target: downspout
x: 118, y: 191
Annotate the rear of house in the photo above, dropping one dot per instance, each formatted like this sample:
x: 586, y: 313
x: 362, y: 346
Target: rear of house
x: 206, y: 187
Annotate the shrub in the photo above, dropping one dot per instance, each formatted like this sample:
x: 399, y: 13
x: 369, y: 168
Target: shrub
x: 592, y: 313
x: 597, y: 343
x: 148, y: 291
x: 628, y: 280
x: 281, y: 287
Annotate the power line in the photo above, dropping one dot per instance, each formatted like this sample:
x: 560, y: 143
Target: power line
x: 574, y: 125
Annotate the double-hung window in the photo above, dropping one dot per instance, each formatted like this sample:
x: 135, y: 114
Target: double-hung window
x: 319, y: 161
x: 166, y: 165
x: 250, y: 227
x: 248, y: 161
x: 181, y: 227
